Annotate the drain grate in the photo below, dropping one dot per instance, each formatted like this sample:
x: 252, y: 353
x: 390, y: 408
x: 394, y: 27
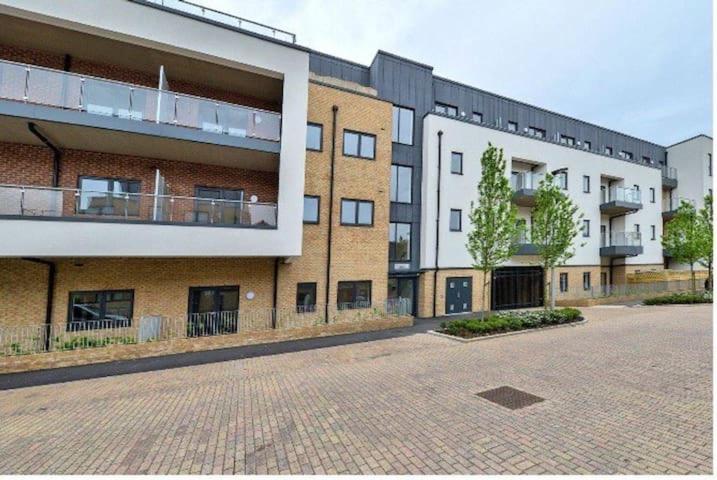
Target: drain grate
x: 510, y: 397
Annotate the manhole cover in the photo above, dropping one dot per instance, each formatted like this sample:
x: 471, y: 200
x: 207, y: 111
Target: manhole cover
x: 510, y: 397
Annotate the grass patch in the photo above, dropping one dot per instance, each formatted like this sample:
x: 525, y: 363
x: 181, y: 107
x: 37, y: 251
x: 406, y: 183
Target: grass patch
x: 509, y: 322
x: 683, y: 298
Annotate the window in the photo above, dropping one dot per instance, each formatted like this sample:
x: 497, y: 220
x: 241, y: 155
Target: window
x: 455, y: 220
x: 311, y: 209
x: 563, y: 282
x: 512, y: 126
x: 652, y: 195
x: 561, y: 178
x: 477, y: 117
x: 566, y: 140
x: 399, y: 242
x: 586, y: 184
x: 361, y: 145
x: 314, y: 137
x: 536, y: 132
x: 588, y: 145
x: 653, y: 232
x: 226, y: 211
x: 306, y: 297
x: 586, y: 228
x: 356, y: 212
x: 709, y: 164
x: 446, y: 109
x: 100, y: 309
x: 109, y: 196
x: 402, y: 125
x: 401, y: 288
x: 646, y: 160
x: 608, y: 150
x: 626, y: 155
x: 637, y: 227
x: 353, y: 295
x: 586, y: 280
x: 457, y: 163
x: 401, y: 183
x: 213, y: 311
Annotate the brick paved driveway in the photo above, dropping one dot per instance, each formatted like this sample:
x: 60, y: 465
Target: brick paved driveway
x: 628, y: 392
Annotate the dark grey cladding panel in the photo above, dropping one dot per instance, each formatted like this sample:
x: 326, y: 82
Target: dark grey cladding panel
x: 404, y: 212
x: 328, y: 66
x: 499, y: 110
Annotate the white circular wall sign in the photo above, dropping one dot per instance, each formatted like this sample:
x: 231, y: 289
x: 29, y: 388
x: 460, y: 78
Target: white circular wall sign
x: 250, y: 295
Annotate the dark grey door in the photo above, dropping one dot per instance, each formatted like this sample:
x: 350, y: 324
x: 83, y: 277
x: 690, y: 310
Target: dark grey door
x: 459, y: 294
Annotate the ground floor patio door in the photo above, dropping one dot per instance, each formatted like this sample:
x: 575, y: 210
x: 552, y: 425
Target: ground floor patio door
x: 213, y: 311
x: 517, y: 287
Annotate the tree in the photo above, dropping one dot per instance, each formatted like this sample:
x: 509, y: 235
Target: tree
x: 707, y: 256
x: 684, y: 238
x: 495, y: 230
x: 555, y: 226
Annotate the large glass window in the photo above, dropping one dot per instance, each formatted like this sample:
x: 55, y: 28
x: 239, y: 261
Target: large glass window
x: 306, y: 297
x: 401, y: 183
x: 311, y: 209
x: 227, y: 211
x: 356, y: 212
x: 362, y: 145
x: 457, y: 163
x: 353, y: 295
x: 109, y: 196
x: 314, y: 136
x: 100, y: 309
x: 401, y: 288
x: 399, y: 242
x: 402, y: 125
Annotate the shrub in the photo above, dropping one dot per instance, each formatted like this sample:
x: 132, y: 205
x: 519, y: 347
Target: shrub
x: 509, y: 322
x: 680, y: 298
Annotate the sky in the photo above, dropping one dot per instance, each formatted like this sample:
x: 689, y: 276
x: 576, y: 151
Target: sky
x: 642, y: 67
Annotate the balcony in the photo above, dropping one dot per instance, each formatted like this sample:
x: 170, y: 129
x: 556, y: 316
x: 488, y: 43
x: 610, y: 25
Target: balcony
x: 525, y: 247
x: 620, y: 201
x: 621, y: 244
x: 670, y: 206
x: 669, y: 177
x: 524, y: 185
x: 94, y: 206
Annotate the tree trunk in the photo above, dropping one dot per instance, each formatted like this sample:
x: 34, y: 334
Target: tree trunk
x: 552, y: 288
x: 692, y: 276
x: 485, y: 282
x: 545, y: 291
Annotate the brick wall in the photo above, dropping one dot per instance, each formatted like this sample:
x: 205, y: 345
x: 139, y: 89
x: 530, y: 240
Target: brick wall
x: 358, y: 253
x: 122, y: 74
x: 426, y: 286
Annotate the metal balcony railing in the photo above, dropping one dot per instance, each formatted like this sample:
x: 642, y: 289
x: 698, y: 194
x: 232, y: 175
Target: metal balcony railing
x: 621, y: 239
x: 673, y: 203
x: 669, y: 172
x: 225, y: 18
x: 98, y: 96
x: 32, y: 201
x: 621, y: 194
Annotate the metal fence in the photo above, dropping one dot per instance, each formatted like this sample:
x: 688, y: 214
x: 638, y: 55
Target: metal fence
x: 29, y: 339
x: 623, y: 290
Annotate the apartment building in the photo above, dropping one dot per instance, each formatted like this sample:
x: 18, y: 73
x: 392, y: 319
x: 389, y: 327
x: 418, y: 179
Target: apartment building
x: 212, y: 165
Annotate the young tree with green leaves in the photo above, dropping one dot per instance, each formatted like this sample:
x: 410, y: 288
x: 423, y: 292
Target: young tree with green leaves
x: 495, y: 230
x: 555, y: 225
x: 706, y: 221
x: 684, y: 238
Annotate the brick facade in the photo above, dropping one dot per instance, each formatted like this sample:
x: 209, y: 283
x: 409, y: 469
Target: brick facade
x: 358, y: 253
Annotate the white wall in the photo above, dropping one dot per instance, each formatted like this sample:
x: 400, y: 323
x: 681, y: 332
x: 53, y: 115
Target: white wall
x: 141, y: 25
x: 457, y: 191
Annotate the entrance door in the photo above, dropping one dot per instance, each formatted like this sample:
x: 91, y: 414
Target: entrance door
x: 213, y: 311
x: 402, y: 288
x: 517, y: 287
x: 459, y: 295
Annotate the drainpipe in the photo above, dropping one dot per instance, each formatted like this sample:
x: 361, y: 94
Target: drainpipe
x: 56, y: 152
x: 51, y: 274
x: 274, y: 312
x: 438, y: 221
x: 335, y: 112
